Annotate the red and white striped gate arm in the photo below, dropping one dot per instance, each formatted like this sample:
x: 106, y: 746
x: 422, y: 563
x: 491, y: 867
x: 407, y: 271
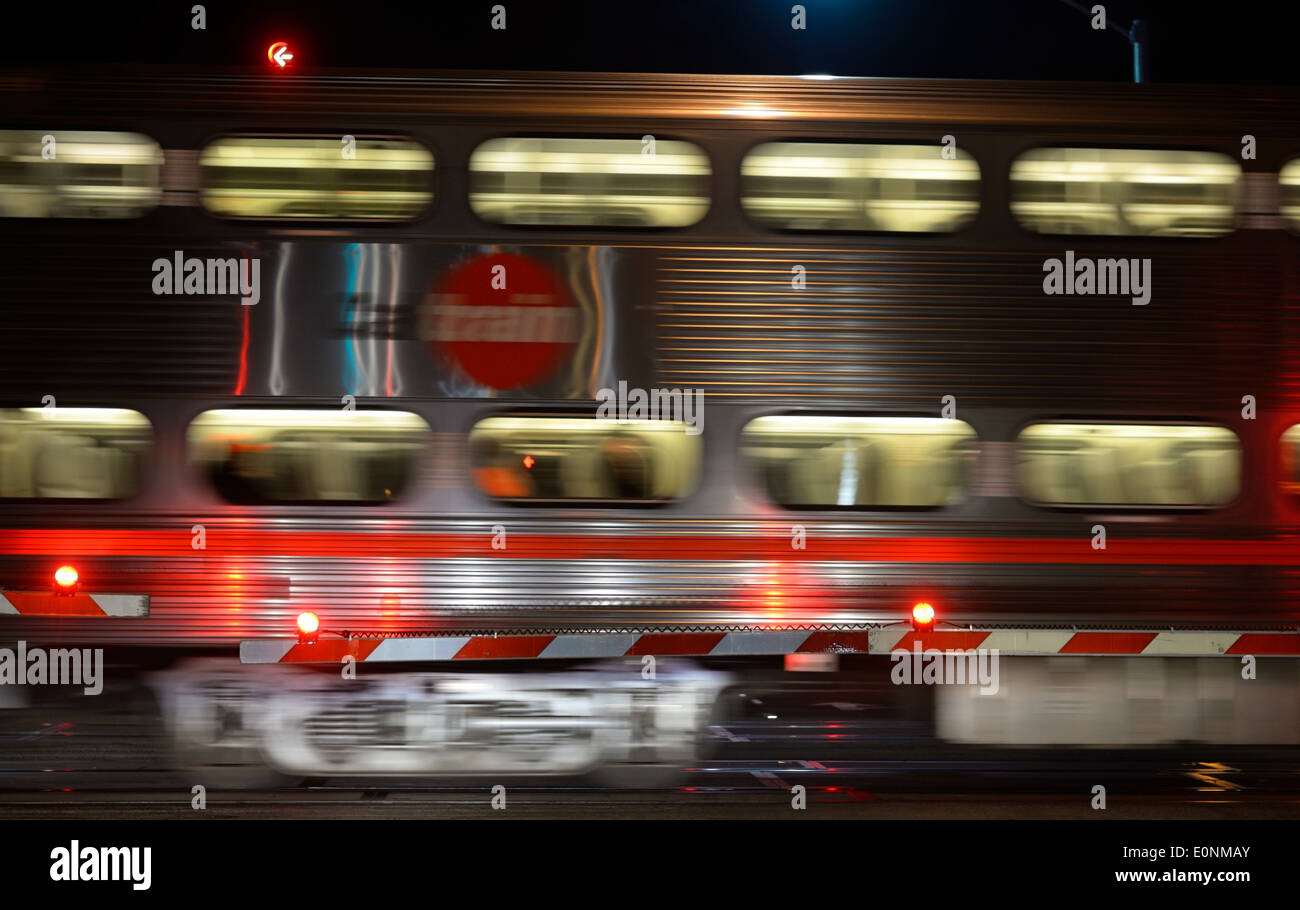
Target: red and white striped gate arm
x: 754, y: 643
x: 44, y: 603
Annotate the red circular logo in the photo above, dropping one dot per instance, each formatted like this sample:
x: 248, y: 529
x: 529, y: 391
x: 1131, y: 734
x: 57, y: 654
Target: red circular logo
x: 505, y: 320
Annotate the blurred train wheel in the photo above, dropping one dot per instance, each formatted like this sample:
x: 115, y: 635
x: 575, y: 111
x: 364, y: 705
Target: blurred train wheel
x: 210, y: 708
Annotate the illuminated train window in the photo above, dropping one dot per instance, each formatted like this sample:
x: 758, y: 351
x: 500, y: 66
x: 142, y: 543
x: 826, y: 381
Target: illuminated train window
x: 579, y: 458
x: 1075, y: 464
x: 589, y: 182
x: 269, y: 456
x: 835, y: 186
x: 65, y: 174
x: 828, y: 462
x: 1125, y: 192
x: 377, y: 180
x: 1291, y: 461
x: 1289, y: 181
x: 72, y: 453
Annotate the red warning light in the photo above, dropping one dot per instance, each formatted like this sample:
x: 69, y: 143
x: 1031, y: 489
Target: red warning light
x: 308, y: 627
x: 529, y: 462
x: 278, y: 54
x: 922, y: 616
x: 65, y: 577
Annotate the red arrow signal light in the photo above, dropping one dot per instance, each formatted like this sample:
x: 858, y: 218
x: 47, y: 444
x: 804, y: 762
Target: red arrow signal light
x: 278, y: 54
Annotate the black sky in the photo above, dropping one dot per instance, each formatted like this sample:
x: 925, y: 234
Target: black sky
x: 1191, y: 41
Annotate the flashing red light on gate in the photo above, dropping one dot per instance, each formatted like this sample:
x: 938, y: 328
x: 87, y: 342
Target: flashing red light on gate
x: 529, y: 461
x: 922, y: 616
x: 65, y: 579
x: 308, y: 626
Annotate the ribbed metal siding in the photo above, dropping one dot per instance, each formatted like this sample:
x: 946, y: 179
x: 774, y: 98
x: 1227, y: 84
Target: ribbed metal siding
x: 80, y: 319
x: 901, y: 328
x: 163, y: 92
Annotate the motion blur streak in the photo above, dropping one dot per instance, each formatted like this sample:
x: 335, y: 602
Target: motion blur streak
x: 385, y: 540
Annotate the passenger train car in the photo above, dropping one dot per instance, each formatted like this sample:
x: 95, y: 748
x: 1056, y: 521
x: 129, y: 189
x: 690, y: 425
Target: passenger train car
x: 577, y: 366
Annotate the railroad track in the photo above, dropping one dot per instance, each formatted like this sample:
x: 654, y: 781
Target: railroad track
x: 722, y: 789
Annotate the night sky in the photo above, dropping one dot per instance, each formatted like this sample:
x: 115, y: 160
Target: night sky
x: 1191, y: 41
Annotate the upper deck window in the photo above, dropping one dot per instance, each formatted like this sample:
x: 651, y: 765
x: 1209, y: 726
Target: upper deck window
x: 589, y: 182
x: 1129, y: 465
x: 825, y: 462
x: 372, y: 180
x: 1125, y: 192
x: 580, y: 458
x: 837, y: 186
x: 265, y: 456
x: 67, y: 174
x: 72, y: 453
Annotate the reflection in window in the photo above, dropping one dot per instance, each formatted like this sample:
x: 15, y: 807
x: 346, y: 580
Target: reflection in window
x: 380, y: 180
x: 1289, y: 181
x: 78, y: 174
x: 72, y: 453
x: 835, y: 186
x: 589, y: 182
x: 1129, y: 465
x: 812, y: 461
x: 308, y: 456
x: 1124, y: 192
x: 576, y: 458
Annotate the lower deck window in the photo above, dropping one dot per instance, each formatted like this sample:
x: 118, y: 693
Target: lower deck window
x: 72, y: 453
x: 826, y: 462
x: 581, y: 458
x: 1291, y: 460
x: 1129, y: 465
x: 268, y: 456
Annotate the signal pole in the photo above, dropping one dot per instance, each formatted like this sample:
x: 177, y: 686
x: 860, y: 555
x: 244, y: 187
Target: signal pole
x: 1135, y: 34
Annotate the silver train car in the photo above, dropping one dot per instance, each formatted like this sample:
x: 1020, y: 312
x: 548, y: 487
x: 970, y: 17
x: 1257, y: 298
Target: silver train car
x: 522, y: 355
